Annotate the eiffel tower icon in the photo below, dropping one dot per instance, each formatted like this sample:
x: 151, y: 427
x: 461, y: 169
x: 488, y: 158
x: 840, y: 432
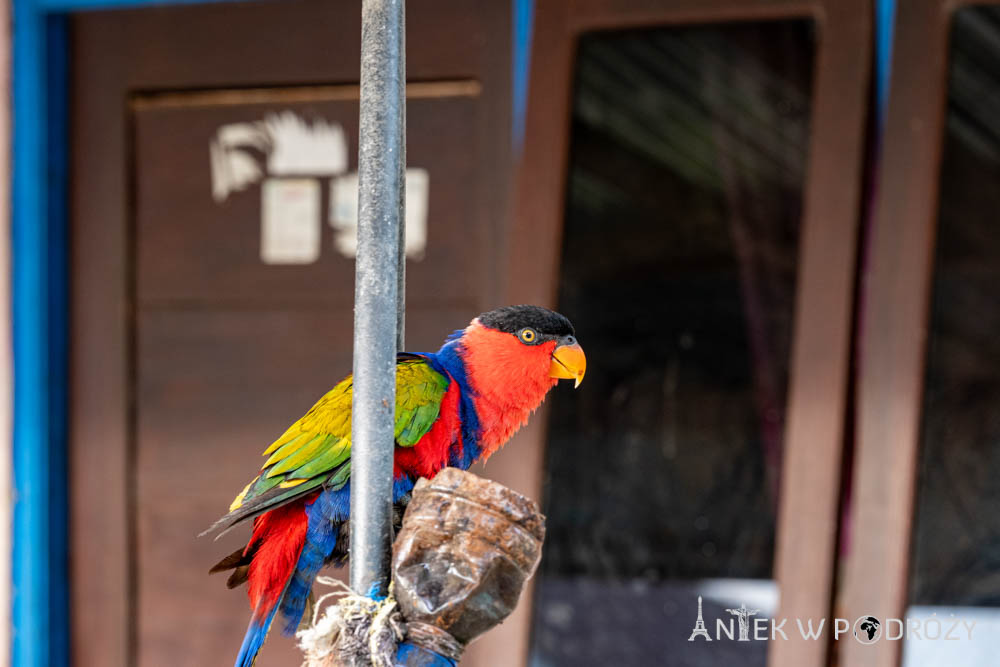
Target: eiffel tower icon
x: 699, y: 626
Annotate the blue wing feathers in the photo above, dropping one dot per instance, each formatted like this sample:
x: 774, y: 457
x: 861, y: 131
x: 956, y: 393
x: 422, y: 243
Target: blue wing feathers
x: 447, y: 361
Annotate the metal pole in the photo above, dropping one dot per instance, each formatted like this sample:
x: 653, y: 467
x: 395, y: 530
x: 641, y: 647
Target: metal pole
x: 401, y: 254
x: 378, y: 290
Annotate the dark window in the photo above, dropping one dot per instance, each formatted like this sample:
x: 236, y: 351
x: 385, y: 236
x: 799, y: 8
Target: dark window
x: 688, y: 153
x: 956, y: 540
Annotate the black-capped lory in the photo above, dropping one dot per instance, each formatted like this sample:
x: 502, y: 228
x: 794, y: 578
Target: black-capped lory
x: 454, y: 407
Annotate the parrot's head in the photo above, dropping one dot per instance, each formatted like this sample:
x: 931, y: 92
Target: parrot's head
x: 525, y: 344
x: 513, y: 356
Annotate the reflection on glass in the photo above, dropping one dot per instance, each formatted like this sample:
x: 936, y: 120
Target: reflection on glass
x: 956, y: 542
x: 682, y: 218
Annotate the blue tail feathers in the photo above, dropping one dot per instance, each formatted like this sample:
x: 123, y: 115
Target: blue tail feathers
x: 327, y: 512
x: 254, y: 639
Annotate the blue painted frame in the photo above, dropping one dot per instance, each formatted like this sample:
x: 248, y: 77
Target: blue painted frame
x: 39, y: 335
x: 885, y: 17
x: 524, y: 22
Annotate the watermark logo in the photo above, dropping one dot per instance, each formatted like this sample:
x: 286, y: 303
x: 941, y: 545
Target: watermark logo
x: 866, y: 629
x: 699, y: 627
x: 743, y: 615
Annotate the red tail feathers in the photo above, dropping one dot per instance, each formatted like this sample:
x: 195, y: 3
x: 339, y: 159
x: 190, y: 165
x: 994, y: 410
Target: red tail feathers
x: 276, y: 543
x: 275, y: 546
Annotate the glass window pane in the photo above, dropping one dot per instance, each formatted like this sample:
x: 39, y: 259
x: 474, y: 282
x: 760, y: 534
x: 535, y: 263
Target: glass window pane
x: 956, y: 542
x: 687, y: 163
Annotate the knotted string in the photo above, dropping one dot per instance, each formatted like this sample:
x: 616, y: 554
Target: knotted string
x: 355, y: 631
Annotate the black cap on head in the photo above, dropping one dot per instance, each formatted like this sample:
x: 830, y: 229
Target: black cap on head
x: 511, y: 319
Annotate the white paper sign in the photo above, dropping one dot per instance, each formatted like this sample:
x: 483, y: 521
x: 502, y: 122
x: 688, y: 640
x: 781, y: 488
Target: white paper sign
x: 290, y: 224
x: 344, y: 213
x: 291, y: 158
x: 299, y: 147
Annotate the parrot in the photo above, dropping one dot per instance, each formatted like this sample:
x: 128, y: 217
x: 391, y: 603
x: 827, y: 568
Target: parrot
x: 454, y: 407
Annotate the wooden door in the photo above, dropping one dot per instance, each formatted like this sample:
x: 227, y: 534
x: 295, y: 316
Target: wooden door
x: 629, y: 142
x: 213, y: 154
x: 924, y: 528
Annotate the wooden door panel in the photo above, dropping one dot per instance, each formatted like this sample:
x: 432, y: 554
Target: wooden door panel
x: 230, y: 350
x: 805, y: 560
x: 924, y: 440
x: 189, y: 354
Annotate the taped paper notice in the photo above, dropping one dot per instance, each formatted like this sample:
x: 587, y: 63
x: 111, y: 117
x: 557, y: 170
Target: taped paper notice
x: 344, y: 213
x: 290, y: 225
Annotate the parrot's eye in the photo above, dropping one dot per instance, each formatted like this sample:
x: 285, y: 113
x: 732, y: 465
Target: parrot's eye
x: 528, y: 335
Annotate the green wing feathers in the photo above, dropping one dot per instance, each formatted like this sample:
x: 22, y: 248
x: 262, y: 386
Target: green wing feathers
x: 316, y: 450
x: 419, y: 391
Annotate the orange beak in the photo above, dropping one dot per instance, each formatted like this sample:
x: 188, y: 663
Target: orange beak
x: 568, y: 363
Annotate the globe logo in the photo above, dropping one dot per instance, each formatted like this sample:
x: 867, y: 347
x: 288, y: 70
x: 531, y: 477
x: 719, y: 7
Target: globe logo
x: 867, y: 629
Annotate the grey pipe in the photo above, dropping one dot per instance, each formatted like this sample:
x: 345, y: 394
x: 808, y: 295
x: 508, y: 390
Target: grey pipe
x: 378, y: 291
